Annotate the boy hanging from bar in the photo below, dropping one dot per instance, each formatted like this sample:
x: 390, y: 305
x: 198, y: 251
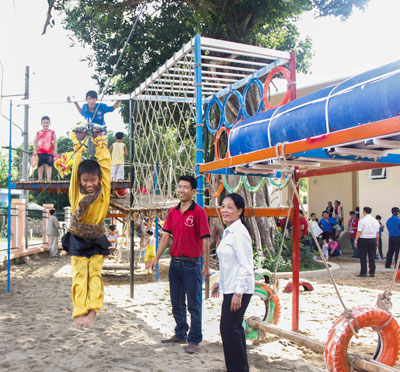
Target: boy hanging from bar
x: 89, y: 196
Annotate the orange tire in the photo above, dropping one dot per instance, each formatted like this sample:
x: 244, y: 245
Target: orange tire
x: 271, y: 300
x: 339, y: 336
x: 397, y: 276
x: 286, y: 97
x: 220, y: 187
x: 216, y: 143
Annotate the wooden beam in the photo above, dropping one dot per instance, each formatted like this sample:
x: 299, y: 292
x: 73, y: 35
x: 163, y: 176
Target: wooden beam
x: 336, y: 169
x: 254, y: 212
x: 355, y: 134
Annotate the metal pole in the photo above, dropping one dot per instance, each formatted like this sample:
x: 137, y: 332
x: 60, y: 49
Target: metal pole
x: 9, y: 208
x: 26, y: 128
x: 156, y: 236
x: 199, y: 125
x: 132, y: 179
x: 25, y: 153
x: 296, y: 259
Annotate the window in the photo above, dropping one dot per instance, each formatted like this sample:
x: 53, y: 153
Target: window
x: 377, y: 174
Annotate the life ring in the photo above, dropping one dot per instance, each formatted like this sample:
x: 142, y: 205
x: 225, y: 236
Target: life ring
x: 339, y: 336
x: 286, y: 97
x: 216, y: 143
x: 220, y: 187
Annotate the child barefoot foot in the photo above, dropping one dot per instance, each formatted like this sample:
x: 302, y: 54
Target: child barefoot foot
x: 89, y: 319
x: 78, y: 322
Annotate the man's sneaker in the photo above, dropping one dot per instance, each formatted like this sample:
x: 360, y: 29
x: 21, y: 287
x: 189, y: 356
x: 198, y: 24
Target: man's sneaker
x: 174, y: 340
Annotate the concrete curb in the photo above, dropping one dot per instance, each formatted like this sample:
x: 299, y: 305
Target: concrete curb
x: 312, y: 273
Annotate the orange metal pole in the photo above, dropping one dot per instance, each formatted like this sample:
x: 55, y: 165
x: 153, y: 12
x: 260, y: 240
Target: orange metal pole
x: 296, y: 261
x: 359, y: 133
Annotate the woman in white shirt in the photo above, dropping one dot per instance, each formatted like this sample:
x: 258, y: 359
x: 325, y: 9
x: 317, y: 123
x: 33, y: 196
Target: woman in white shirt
x: 236, y: 282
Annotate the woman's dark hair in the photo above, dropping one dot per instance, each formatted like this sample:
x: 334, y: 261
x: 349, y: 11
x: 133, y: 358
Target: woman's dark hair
x: 239, y: 203
x: 89, y: 166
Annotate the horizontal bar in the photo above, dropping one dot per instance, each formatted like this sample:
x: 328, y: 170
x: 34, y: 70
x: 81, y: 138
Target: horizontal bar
x: 239, y: 61
x: 115, y: 97
x: 253, y: 212
x: 345, y: 168
x: 359, y: 133
x: 238, y: 48
x: 149, y: 97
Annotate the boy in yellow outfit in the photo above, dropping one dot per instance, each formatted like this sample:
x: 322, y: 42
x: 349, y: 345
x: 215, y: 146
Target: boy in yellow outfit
x: 89, y: 196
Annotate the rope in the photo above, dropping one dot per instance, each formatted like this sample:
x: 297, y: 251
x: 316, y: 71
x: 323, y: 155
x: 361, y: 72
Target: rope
x: 347, y: 312
x: 120, y: 57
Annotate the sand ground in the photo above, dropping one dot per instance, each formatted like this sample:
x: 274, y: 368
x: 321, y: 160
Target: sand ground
x: 36, y: 332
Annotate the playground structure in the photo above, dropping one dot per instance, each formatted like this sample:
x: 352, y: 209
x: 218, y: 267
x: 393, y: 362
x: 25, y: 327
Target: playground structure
x: 187, y: 91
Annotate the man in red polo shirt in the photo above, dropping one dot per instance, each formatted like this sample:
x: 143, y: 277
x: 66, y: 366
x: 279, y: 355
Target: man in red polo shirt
x: 188, y: 225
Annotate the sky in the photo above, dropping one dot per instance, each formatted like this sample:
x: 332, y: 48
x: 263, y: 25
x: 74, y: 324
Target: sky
x: 364, y: 41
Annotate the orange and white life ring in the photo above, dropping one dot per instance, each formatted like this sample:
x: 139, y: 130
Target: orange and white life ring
x: 339, y: 336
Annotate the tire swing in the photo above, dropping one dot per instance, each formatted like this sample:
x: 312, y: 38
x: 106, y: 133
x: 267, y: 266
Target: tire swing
x: 272, y: 310
x: 387, y: 352
x: 286, y: 97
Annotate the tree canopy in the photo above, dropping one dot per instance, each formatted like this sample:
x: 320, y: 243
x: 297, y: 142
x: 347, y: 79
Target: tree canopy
x: 167, y: 24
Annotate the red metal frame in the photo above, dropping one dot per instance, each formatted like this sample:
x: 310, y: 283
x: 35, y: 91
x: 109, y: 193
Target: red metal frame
x: 345, y: 168
x: 296, y: 261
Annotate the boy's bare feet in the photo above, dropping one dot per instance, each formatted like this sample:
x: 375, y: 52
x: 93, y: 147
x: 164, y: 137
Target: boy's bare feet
x: 78, y: 322
x: 89, y: 319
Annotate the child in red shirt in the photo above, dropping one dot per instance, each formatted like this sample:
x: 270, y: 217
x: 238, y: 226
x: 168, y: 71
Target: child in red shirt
x: 45, y: 148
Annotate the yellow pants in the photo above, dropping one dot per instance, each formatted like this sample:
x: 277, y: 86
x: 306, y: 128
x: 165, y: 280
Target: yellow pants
x: 87, y: 284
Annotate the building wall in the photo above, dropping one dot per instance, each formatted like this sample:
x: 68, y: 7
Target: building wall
x: 380, y: 195
x: 330, y: 188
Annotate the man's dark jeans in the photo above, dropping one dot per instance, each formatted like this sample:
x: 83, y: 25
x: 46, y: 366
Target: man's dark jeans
x: 185, y: 282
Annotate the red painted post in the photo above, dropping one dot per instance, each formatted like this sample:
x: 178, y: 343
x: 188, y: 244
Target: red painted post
x: 292, y: 70
x: 296, y: 260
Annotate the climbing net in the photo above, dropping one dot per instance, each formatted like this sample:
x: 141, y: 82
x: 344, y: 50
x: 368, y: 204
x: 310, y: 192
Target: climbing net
x: 164, y: 137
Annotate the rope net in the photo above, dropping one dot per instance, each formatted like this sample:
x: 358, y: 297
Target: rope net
x: 164, y: 139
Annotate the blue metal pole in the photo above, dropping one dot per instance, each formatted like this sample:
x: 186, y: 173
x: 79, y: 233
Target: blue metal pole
x: 9, y: 208
x: 199, y: 117
x: 156, y: 236
x: 156, y: 186
x: 199, y: 128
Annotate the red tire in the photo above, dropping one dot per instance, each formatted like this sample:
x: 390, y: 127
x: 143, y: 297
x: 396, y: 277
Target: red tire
x: 397, y: 276
x: 339, y: 336
x: 286, y: 96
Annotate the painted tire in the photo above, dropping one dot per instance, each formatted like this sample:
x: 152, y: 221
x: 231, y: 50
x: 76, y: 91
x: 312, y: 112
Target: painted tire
x: 232, y: 189
x: 286, y: 97
x: 214, y: 101
x: 272, y: 310
x: 246, y: 89
x: 253, y: 188
x: 271, y: 300
x: 216, y: 143
x: 220, y: 187
x: 339, y: 336
x: 239, y: 114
